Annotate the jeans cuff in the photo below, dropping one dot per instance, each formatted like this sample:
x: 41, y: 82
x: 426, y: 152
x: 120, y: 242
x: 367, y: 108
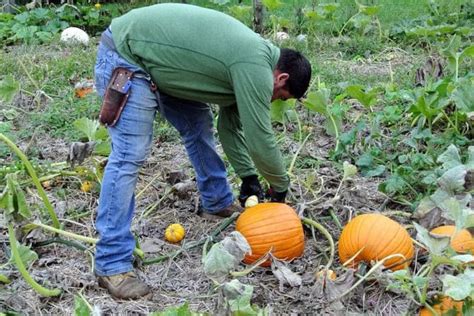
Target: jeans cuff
x: 124, y: 269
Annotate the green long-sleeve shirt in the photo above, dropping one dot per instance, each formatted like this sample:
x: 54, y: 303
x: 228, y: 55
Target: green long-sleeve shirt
x: 204, y: 55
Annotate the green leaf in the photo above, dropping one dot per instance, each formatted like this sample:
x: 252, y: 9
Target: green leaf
x: 182, y: 310
x: 224, y: 256
x: 367, y: 98
x: 8, y: 88
x: 238, y: 298
x: 272, y: 5
x: 103, y: 149
x: 463, y: 258
x: 375, y: 172
x: 81, y: 308
x: 453, y: 179
x: 220, y: 2
x: 436, y: 244
x: 4, y: 279
x: 15, y: 198
x: 27, y: 255
x: 463, y: 95
x: 393, y: 184
x: 470, y: 160
x: 329, y: 7
x: 101, y: 134
x: 318, y: 101
x: 87, y: 127
x: 280, y: 108
x: 349, y: 170
x: 468, y: 52
x: 459, y: 287
x: 369, y: 10
x: 455, y: 210
x: 450, y: 158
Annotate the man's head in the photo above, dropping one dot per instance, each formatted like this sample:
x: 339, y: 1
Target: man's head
x: 291, y: 76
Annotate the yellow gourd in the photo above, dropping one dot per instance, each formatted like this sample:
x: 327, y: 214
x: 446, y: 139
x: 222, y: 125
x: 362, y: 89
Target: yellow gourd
x: 174, y: 233
x: 86, y: 186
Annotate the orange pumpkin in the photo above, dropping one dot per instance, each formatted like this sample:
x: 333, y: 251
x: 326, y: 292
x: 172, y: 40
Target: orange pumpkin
x: 461, y: 242
x: 374, y: 237
x: 447, y: 304
x: 271, y: 226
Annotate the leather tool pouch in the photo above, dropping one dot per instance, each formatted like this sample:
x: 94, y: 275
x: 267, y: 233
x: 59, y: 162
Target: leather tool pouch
x: 116, y: 96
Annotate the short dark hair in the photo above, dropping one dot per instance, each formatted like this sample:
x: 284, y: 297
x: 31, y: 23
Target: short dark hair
x: 299, y: 69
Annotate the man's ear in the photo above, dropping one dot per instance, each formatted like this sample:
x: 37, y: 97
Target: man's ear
x: 281, y: 79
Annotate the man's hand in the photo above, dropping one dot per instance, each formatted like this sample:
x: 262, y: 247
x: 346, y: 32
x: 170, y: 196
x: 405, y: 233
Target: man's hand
x: 250, y: 186
x: 275, y: 196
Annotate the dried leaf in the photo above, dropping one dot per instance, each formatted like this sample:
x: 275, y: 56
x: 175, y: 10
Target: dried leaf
x: 334, y: 289
x: 236, y: 244
x: 79, y: 151
x: 284, y: 274
x: 83, y: 88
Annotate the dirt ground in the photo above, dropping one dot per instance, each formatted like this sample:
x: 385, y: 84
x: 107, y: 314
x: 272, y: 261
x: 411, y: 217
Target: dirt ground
x: 181, y: 279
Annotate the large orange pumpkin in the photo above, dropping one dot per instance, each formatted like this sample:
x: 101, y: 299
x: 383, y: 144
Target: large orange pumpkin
x: 447, y: 304
x: 461, y: 242
x: 375, y: 237
x: 271, y: 226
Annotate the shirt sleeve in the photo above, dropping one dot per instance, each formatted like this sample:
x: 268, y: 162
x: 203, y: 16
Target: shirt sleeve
x: 253, y: 88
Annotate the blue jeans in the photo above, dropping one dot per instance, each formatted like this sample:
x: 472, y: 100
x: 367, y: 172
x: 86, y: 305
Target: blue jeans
x: 131, y: 142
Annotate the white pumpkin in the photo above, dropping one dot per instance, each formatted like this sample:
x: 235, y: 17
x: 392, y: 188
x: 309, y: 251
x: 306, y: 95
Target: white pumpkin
x: 74, y: 35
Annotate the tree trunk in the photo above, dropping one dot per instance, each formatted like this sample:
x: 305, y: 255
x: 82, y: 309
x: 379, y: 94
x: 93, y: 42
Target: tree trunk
x: 258, y: 16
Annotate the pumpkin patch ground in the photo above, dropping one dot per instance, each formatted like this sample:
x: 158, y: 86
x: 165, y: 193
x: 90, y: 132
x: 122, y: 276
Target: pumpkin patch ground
x: 379, y: 153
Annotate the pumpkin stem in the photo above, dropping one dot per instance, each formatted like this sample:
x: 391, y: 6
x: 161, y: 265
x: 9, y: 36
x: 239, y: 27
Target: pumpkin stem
x: 326, y: 234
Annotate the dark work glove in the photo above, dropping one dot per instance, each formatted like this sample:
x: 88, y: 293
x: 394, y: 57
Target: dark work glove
x: 250, y: 186
x: 275, y: 196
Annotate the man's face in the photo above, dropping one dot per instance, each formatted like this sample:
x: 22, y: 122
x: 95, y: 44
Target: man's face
x: 279, y: 86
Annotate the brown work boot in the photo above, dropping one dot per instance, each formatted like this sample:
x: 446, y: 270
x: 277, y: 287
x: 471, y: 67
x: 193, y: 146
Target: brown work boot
x: 124, y: 286
x: 225, y: 212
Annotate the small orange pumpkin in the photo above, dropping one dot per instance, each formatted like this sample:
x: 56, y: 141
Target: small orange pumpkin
x: 447, y: 304
x: 462, y: 242
x: 375, y: 237
x: 271, y: 226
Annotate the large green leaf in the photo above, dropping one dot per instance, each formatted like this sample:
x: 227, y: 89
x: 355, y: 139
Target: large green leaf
x: 8, y: 88
x: 318, y: 101
x: 366, y: 98
x: 272, y: 5
x: 463, y: 95
x: 27, y: 255
x: 436, y: 244
x: 459, y: 287
x: 87, y: 127
x: 81, y: 308
x: 13, y: 198
x: 453, y: 179
x: 238, y: 298
x: 450, y: 158
x: 182, y: 310
x: 280, y: 109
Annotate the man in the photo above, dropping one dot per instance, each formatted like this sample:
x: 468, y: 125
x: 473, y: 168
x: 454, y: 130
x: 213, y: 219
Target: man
x: 194, y: 56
